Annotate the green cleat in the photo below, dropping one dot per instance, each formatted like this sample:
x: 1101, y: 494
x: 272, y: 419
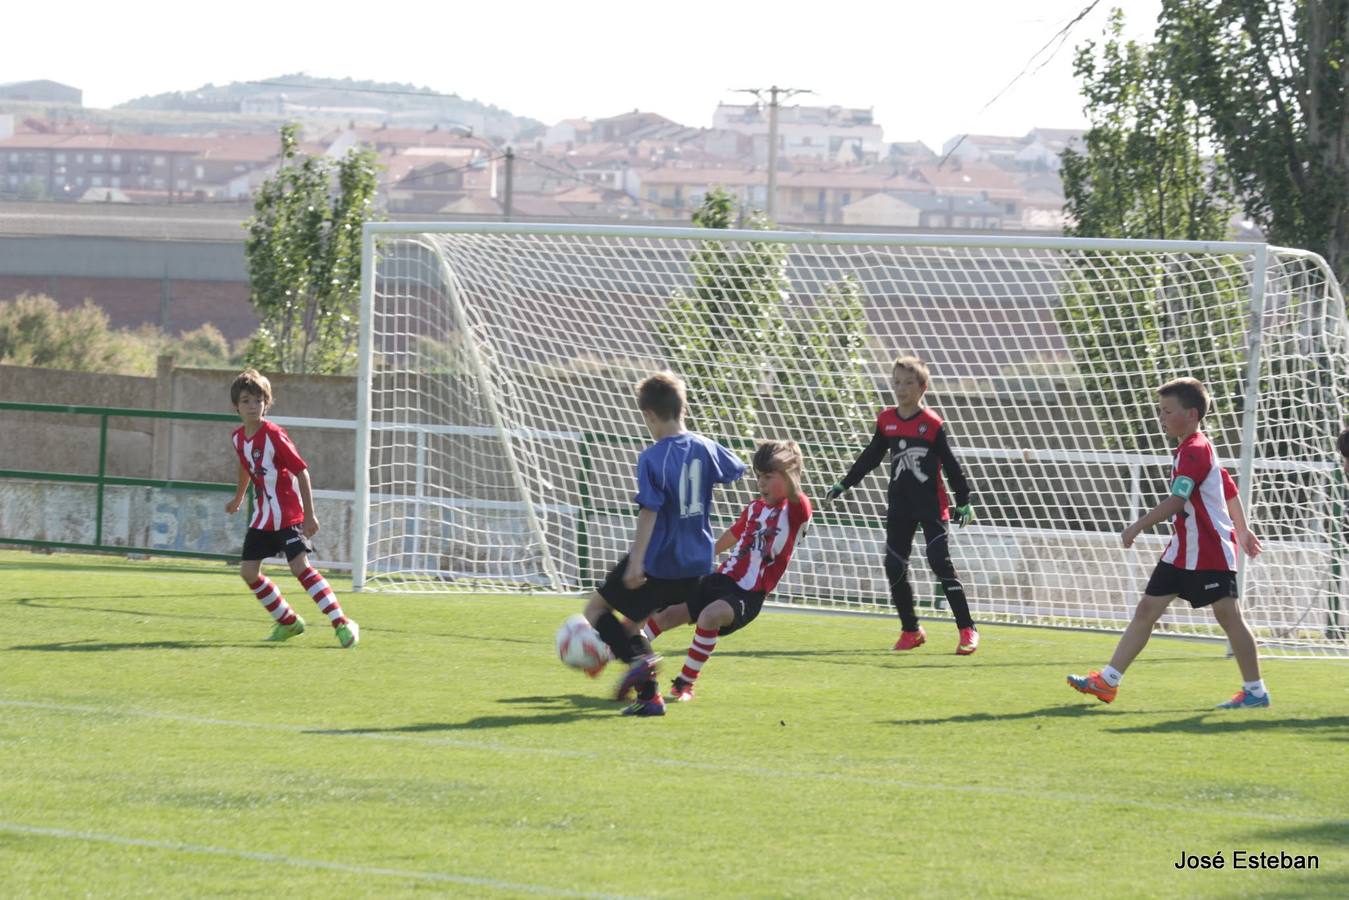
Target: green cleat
x: 286, y: 632
x: 348, y: 633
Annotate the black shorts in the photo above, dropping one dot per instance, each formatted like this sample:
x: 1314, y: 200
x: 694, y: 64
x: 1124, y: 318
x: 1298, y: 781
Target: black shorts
x: 1199, y: 587
x: 744, y: 604
x: 261, y: 544
x: 654, y: 594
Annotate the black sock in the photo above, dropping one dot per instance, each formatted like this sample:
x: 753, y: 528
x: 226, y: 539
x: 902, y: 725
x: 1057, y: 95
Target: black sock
x: 640, y: 645
x: 955, y: 598
x: 615, y: 636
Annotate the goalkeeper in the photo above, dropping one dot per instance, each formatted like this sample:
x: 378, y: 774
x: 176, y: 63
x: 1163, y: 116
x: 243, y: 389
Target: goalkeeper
x: 919, y: 455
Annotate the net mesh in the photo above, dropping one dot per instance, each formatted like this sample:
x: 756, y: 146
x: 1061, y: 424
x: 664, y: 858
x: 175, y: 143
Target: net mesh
x: 504, y: 430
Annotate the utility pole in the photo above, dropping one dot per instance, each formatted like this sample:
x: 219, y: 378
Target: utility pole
x: 774, y: 93
x: 510, y: 177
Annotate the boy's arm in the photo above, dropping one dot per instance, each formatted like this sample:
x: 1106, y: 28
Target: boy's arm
x: 725, y: 542
x: 1163, y: 511
x: 1246, y: 539
x: 240, y: 489
x: 311, y: 522
x: 955, y: 477
x: 869, y: 459
x: 636, y: 573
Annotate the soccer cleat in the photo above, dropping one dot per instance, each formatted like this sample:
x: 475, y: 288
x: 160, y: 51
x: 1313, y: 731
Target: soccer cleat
x: 653, y: 707
x: 681, y: 691
x: 643, y: 669
x: 348, y: 633
x: 911, y: 639
x: 968, y: 643
x: 1092, y: 683
x: 286, y: 632
x: 1244, y: 699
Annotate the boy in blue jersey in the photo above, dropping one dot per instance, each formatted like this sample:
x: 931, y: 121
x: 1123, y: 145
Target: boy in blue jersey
x: 672, y: 547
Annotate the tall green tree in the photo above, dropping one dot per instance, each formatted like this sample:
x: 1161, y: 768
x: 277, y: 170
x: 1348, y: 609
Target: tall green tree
x: 715, y: 332
x: 1142, y: 172
x: 1271, y: 79
x: 304, y: 259
x: 1133, y: 321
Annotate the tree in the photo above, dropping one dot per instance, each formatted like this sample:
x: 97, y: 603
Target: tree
x: 827, y: 382
x: 1271, y: 79
x: 714, y: 333
x: 1134, y: 321
x: 1142, y: 173
x: 304, y: 259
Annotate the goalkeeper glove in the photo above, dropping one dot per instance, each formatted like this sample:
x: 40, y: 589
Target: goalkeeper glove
x: 835, y: 492
x: 965, y: 514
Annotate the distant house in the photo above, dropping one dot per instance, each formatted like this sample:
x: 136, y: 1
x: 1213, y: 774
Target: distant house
x: 915, y: 209
x: 41, y: 91
x: 836, y: 133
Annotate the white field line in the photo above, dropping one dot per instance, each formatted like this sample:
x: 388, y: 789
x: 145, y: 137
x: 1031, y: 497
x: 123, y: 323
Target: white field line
x: 905, y: 784
x: 255, y: 856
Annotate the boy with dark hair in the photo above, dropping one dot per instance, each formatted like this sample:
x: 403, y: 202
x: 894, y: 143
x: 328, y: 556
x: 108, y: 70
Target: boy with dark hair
x: 920, y: 455
x: 1199, y: 564
x: 284, y: 520
x: 672, y: 547
x: 763, y: 539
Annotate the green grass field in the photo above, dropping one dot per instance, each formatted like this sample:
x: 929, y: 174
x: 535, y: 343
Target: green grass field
x: 151, y: 744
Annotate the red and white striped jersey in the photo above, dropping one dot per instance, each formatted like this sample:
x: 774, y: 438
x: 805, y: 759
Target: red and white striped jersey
x: 271, y: 460
x: 1204, y: 537
x: 766, y: 536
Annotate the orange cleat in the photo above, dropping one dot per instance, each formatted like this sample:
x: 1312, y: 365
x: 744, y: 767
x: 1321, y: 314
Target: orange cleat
x: 968, y: 643
x: 1092, y: 683
x: 908, y: 640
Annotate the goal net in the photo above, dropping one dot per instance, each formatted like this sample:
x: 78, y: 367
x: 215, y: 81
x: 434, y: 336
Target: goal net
x: 498, y: 429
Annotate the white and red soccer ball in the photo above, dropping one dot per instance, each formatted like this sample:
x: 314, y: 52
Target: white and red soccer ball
x: 580, y: 646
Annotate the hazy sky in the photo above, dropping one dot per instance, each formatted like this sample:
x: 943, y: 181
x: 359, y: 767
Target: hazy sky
x: 927, y: 68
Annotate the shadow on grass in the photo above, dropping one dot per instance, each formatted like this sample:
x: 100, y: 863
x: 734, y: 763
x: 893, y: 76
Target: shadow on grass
x: 1227, y: 722
x: 90, y: 646
x: 38, y: 603
x: 1067, y: 711
x: 888, y: 659
x: 1330, y: 833
x: 548, y: 710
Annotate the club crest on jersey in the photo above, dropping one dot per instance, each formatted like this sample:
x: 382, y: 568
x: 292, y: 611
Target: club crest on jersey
x: 909, y: 460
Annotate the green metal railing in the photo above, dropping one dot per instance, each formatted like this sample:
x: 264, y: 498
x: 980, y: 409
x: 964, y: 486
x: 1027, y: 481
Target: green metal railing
x: 103, y: 480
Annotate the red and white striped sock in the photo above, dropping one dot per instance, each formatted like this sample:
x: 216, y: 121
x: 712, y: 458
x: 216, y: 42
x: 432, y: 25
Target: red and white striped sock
x: 704, y: 642
x: 272, y: 601
x: 653, y: 630
x: 323, y: 595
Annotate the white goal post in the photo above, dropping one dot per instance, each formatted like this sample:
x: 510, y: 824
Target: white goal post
x: 497, y: 429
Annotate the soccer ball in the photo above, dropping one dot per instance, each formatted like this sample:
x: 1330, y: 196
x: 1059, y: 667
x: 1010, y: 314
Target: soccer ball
x: 580, y: 646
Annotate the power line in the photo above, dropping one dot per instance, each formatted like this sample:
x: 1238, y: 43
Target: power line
x: 1061, y: 36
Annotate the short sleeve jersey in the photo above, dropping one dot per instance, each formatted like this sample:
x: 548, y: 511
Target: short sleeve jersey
x: 271, y: 460
x: 1203, y: 537
x: 765, y: 538
x: 919, y: 456
x: 675, y: 477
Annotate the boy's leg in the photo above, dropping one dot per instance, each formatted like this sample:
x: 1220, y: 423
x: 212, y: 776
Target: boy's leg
x: 711, y: 620
x: 1228, y: 614
x: 1139, y: 630
x: 937, y: 534
x: 348, y: 632
x: 286, y: 624
x: 899, y: 532
x: 662, y: 620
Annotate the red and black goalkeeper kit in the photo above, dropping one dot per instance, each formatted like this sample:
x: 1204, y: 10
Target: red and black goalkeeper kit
x: 920, y: 456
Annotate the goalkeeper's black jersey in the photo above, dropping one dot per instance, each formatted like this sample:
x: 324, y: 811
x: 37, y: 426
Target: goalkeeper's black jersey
x: 919, y: 456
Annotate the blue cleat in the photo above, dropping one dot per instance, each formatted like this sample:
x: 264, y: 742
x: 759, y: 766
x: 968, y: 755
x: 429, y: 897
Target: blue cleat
x: 653, y: 707
x: 641, y: 671
x: 1244, y: 699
